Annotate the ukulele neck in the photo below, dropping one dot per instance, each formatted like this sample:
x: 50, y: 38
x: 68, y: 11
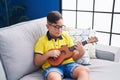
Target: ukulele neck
x: 73, y: 47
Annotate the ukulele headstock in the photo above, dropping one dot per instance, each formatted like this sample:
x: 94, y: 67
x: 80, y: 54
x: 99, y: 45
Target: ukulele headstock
x: 92, y: 39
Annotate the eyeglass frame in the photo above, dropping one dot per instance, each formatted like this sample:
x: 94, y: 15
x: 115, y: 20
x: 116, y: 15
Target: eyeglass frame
x: 57, y: 26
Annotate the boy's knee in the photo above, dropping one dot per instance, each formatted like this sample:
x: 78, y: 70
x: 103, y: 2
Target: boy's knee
x: 54, y: 76
x: 83, y: 68
x: 87, y: 69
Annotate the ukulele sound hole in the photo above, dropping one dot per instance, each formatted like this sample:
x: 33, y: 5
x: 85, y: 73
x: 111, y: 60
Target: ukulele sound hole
x: 63, y: 52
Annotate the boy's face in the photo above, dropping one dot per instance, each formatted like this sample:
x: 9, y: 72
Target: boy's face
x: 55, y: 30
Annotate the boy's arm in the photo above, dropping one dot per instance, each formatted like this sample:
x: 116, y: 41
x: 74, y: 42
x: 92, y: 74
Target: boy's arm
x: 79, y: 51
x: 40, y: 59
x: 90, y: 40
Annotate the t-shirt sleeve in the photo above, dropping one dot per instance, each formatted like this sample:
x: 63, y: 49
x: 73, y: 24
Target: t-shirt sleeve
x: 39, y: 48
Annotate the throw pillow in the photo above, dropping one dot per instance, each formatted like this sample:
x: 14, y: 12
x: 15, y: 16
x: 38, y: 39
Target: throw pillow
x: 85, y: 58
x: 82, y: 35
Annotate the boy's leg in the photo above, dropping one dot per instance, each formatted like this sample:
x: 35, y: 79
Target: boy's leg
x: 54, y: 76
x: 81, y: 73
x: 53, y: 73
x: 74, y: 70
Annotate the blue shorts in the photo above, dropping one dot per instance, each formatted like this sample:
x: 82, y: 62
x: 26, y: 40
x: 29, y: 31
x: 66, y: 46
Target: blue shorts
x: 65, y: 70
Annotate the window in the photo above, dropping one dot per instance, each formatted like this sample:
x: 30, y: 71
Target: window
x: 101, y: 15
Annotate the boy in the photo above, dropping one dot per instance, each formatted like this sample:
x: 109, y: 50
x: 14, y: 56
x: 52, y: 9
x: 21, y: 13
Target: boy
x: 47, y: 47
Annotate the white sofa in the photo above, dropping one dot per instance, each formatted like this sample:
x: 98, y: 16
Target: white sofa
x: 16, y: 54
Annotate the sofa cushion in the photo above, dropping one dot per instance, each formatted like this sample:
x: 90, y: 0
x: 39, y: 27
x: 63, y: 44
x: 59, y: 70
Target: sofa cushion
x: 104, y: 70
x: 16, y: 47
x: 38, y: 75
x: 104, y: 49
x: 99, y: 70
x: 106, y: 55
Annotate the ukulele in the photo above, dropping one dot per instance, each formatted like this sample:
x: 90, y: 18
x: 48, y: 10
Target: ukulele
x: 67, y: 52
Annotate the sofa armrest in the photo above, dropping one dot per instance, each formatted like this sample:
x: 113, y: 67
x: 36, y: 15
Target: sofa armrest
x: 106, y: 55
x: 108, y: 52
x: 2, y: 73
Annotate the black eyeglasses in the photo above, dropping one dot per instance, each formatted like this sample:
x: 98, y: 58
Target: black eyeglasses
x: 57, y: 26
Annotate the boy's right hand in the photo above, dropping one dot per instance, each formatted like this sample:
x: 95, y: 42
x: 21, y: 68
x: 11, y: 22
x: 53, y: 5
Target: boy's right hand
x: 53, y: 53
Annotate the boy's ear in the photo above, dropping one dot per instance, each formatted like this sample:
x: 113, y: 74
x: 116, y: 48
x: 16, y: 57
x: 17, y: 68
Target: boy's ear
x: 47, y: 25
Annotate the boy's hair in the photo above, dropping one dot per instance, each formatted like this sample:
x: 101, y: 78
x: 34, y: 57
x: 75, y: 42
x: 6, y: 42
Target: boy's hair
x: 53, y: 17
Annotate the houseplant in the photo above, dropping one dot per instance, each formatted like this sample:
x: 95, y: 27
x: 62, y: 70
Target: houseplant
x: 11, y: 12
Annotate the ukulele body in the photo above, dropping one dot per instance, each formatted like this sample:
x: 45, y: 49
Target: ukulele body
x: 65, y: 54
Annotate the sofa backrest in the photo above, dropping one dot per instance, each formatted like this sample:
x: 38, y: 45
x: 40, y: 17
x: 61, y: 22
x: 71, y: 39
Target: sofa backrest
x: 17, y: 45
x: 2, y: 73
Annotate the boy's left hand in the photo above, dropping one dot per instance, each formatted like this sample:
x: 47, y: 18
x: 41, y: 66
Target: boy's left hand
x: 79, y: 47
